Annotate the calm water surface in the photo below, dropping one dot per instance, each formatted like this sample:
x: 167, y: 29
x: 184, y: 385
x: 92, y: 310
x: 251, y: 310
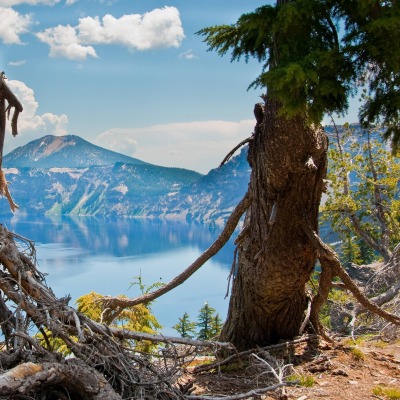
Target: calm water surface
x: 84, y: 254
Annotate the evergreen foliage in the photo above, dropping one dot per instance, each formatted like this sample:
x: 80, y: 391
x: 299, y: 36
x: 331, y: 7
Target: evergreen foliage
x: 216, y: 326
x: 185, y: 327
x: 205, y: 322
x: 372, y: 40
x: 312, y: 67
x: 209, y: 323
x: 367, y: 255
x: 350, y: 251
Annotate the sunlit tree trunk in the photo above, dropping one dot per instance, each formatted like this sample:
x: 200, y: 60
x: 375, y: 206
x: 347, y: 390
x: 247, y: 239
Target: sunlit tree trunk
x: 275, y: 258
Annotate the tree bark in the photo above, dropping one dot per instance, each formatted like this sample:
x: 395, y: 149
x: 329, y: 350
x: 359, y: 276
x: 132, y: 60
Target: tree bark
x: 276, y: 259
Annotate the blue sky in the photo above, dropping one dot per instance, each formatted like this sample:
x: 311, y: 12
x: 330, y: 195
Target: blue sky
x: 129, y: 75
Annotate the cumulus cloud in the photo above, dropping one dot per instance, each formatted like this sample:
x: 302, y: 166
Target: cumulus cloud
x: 64, y: 42
x: 12, y: 25
x: 199, y: 145
x: 30, y: 124
x: 160, y: 28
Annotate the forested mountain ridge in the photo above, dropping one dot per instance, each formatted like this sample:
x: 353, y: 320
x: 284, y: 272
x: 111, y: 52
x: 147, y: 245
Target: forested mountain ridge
x: 68, y: 175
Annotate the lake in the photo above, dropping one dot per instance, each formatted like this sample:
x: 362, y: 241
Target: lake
x: 84, y: 254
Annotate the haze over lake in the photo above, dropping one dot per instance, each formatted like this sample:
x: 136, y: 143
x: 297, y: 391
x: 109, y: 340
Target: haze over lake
x: 84, y: 254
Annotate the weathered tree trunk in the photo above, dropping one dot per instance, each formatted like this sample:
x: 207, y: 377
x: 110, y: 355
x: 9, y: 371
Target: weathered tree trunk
x: 275, y: 258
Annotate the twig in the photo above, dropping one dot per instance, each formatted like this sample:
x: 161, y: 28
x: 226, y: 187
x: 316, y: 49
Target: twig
x: 206, y: 367
x: 33, y: 342
x: 255, y: 392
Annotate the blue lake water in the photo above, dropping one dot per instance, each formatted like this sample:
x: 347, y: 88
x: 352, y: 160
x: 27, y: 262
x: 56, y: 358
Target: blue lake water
x: 84, y: 254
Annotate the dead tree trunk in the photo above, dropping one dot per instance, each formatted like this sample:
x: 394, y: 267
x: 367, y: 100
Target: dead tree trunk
x: 275, y: 257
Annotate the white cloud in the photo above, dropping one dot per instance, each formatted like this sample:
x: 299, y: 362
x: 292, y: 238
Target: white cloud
x: 199, y: 145
x: 64, y: 42
x: 17, y: 63
x: 30, y: 124
x: 12, y: 25
x: 188, y: 55
x: 160, y: 28
x: 9, y: 3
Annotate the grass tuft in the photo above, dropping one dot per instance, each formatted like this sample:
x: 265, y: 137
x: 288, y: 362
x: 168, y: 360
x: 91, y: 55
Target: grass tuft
x: 390, y: 393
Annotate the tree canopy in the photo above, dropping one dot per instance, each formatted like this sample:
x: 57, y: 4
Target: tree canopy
x: 315, y: 54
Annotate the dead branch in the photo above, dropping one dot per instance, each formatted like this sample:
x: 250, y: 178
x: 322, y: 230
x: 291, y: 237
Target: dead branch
x: 247, y: 395
x: 125, y: 334
x: 233, y: 151
x: 112, y: 352
x: 117, y: 304
x: 389, y: 275
x: 13, y: 102
x: 246, y: 353
x: 5, y: 192
x: 7, y: 94
x: 330, y: 260
x: 324, y: 287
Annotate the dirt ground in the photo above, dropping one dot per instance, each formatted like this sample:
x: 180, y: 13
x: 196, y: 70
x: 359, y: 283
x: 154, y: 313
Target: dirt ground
x: 340, y: 370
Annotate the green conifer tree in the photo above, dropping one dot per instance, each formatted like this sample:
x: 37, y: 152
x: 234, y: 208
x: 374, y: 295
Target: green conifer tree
x: 367, y: 254
x: 205, y: 322
x: 350, y: 252
x: 216, y: 326
x: 185, y: 327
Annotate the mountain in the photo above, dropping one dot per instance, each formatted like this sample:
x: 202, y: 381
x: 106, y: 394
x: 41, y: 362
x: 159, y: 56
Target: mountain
x: 67, y: 175
x: 212, y: 198
x: 63, y: 151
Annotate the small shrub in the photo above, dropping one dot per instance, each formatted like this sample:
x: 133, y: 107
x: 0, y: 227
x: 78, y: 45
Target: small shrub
x: 391, y: 393
x: 357, y: 353
x: 302, y: 380
x: 358, y: 340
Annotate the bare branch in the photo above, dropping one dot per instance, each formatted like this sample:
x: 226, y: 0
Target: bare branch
x: 241, y: 355
x: 233, y: 151
x: 255, y: 392
x: 121, y: 303
x: 330, y: 259
x: 7, y: 94
x: 126, y: 334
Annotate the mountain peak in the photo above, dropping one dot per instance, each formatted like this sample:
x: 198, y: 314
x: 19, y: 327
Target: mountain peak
x: 64, y: 151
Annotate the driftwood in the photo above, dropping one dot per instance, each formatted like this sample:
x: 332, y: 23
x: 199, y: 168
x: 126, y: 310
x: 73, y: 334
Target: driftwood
x: 7, y: 95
